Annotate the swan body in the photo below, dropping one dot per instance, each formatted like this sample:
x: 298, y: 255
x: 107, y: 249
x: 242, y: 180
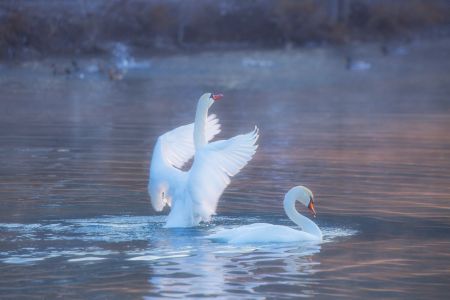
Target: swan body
x: 269, y: 233
x: 193, y: 195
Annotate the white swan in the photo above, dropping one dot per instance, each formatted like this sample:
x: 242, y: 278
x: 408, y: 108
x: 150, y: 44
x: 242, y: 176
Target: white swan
x: 268, y: 233
x: 193, y: 195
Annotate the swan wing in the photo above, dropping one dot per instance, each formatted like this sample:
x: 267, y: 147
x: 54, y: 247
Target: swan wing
x: 172, y: 150
x: 213, y: 166
x: 178, y: 144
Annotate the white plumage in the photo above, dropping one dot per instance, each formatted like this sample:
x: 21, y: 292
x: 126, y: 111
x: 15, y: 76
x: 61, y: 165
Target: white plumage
x: 269, y: 233
x: 194, y: 195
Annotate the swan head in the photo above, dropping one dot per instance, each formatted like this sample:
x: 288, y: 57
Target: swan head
x: 209, y: 98
x: 159, y: 195
x: 303, y: 195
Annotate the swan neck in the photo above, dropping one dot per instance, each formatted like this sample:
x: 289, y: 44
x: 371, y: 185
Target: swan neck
x: 201, y: 116
x: 305, y: 223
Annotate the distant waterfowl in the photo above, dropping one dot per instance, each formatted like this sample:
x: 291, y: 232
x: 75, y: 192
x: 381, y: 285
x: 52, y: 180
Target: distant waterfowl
x: 357, y: 65
x: 193, y: 195
x: 269, y: 233
x: 60, y: 70
x: 395, y: 49
x: 68, y: 70
x: 115, y: 74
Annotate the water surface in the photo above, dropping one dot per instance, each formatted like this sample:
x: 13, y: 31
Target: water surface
x: 374, y: 147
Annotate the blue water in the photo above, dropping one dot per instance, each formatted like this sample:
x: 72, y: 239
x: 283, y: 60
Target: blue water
x: 373, y: 146
x: 162, y: 243
x: 180, y: 261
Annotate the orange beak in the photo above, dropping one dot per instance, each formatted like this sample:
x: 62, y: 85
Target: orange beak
x: 217, y: 96
x: 311, y: 208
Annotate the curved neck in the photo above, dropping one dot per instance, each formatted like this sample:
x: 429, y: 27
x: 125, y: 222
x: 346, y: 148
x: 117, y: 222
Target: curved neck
x: 306, y: 224
x: 201, y: 116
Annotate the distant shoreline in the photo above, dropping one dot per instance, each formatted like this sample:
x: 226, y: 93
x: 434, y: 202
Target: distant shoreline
x: 39, y: 29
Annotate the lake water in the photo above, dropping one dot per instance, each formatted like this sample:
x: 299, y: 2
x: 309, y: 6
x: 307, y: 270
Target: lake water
x: 373, y: 146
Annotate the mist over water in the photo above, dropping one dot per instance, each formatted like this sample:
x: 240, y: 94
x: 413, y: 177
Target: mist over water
x: 373, y: 146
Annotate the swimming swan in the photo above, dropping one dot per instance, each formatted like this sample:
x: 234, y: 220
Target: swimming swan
x: 193, y: 195
x: 269, y: 233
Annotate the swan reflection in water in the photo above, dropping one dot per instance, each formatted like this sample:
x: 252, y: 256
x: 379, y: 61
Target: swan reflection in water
x: 182, y: 260
x: 187, y: 263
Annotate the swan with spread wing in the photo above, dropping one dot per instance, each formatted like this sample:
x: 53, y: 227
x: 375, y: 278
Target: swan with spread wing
x: 193, y: 195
